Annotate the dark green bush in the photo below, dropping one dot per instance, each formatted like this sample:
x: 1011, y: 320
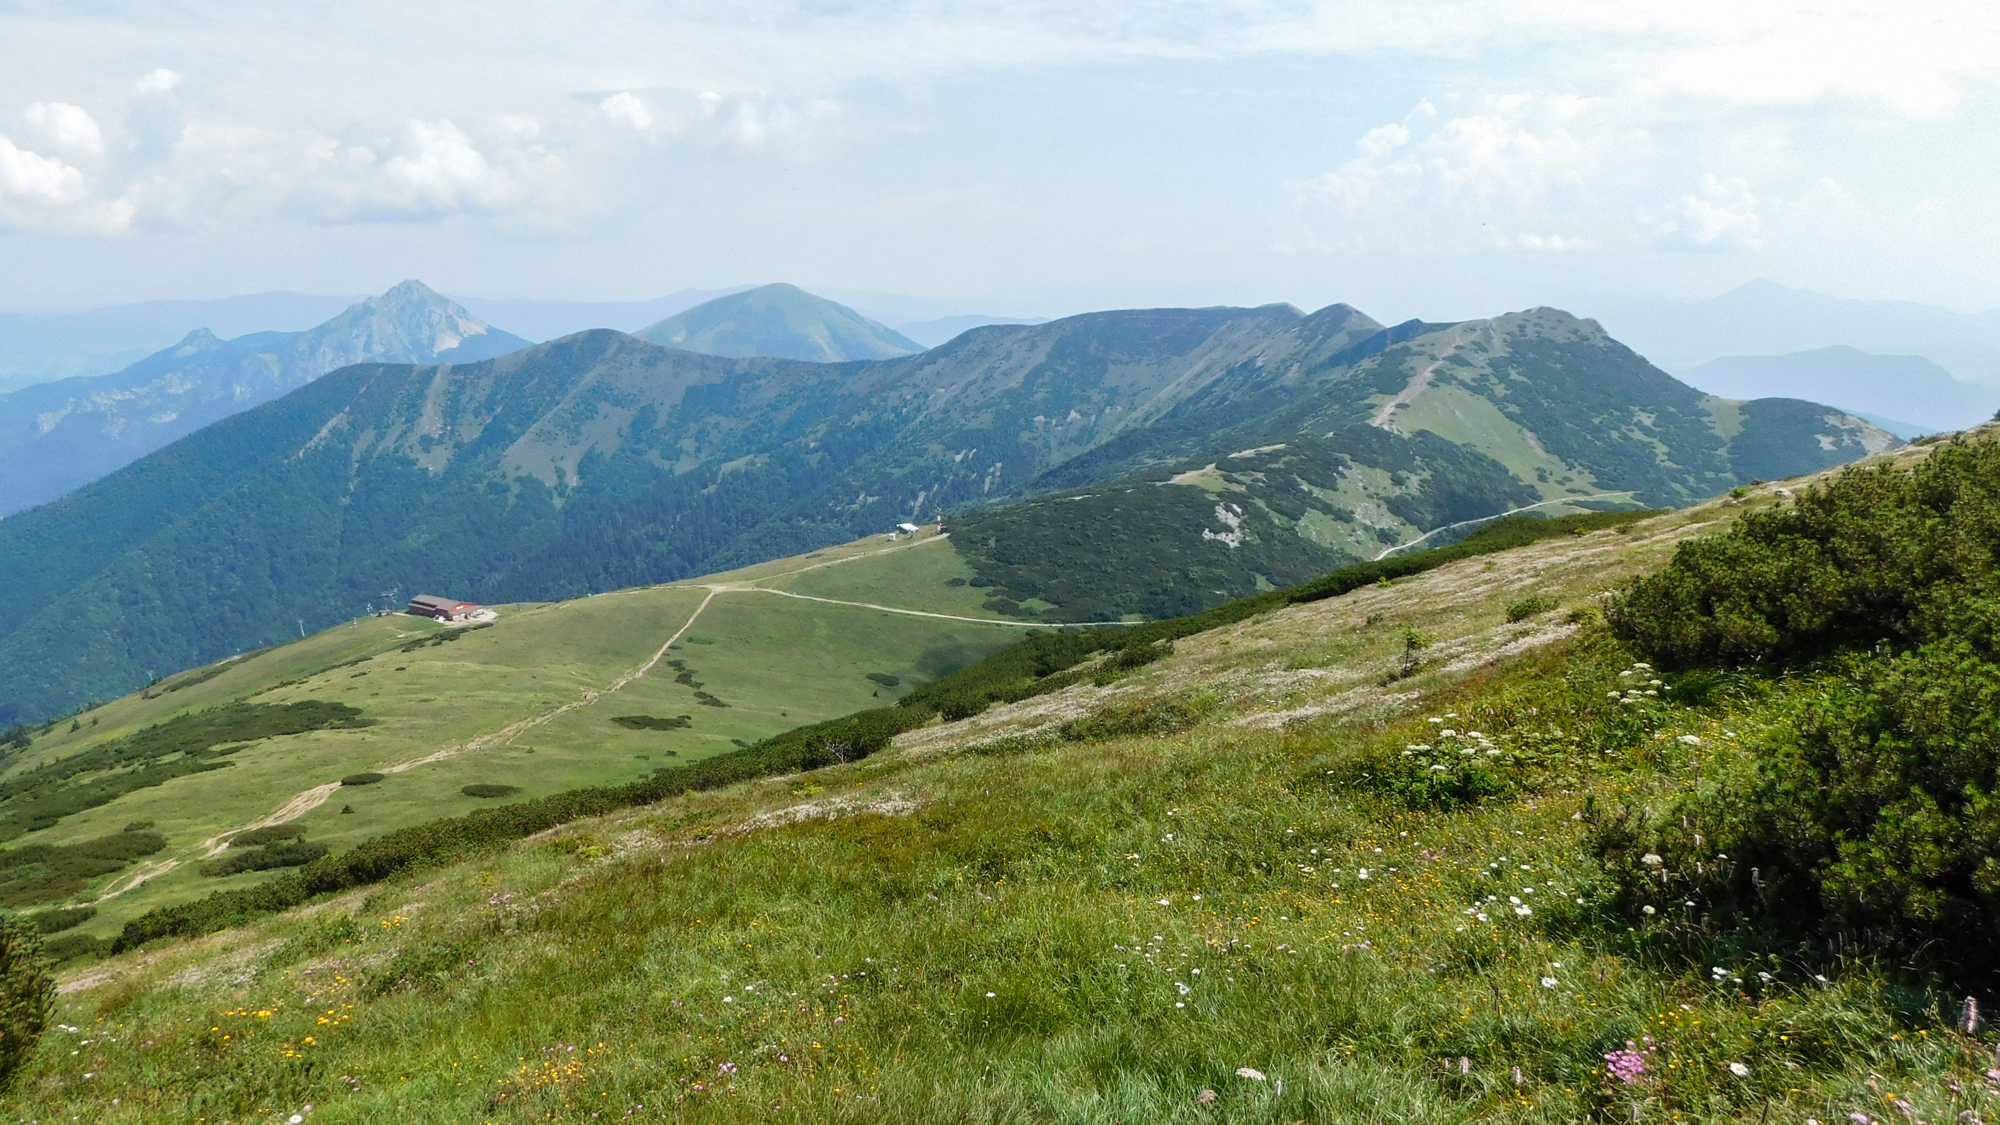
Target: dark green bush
x: 27, y: 997
x: 490, y: 791
x: 1872, y: 823
x: 1532, y: 606
x: 284, y: 853
x: 258, y: 837
x: 56, y: 921
x: 1142, y: 717
x: 75, y: 947
x: 1130, y: 658
x: 47, y: 873
x: 1882, y: 554
x: 363, y: 778
x: 963, y: 705
x: 652, y: 722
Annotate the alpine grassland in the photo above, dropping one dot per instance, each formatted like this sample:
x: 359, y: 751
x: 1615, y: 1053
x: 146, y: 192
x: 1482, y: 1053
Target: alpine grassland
x: 386, y: 723
x: 1282, y: 864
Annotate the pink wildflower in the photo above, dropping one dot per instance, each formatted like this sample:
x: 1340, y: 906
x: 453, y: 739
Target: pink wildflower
x: 1627, y: 1066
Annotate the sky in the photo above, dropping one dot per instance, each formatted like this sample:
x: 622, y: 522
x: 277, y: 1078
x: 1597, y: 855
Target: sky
x: 1443, y: 159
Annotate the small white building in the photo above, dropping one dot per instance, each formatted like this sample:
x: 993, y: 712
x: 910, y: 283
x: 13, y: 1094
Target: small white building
x: 907, y: 528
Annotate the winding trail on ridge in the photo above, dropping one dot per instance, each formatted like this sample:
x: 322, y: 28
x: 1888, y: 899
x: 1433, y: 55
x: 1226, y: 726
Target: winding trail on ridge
x: 1384, y: 415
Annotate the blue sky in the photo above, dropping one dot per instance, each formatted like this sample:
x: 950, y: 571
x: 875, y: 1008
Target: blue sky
x: 1438, y: 159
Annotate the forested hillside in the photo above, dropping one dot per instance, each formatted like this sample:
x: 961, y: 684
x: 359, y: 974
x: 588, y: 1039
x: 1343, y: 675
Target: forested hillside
x: 1415, y: 430
x: 600, y: 461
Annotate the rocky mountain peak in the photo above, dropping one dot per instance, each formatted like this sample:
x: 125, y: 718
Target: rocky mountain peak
x: 197, y: 341
x: 410, y: 323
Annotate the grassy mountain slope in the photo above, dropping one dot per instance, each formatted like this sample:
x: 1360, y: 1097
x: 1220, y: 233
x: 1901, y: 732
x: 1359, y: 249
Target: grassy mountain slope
x: 599, y: 462
x: 1411, y: 431
x: 531, y: 701
x: 783, y: 321
x: 57, y: 436
x: 590, y: 463
x: 1096, y: 904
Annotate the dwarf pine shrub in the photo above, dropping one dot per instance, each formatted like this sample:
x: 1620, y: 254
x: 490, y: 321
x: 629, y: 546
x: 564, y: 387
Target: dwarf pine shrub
x: 1144, y: 717
x: 258, y: 837
x: 1883, y: 554
x: 58, y: 920
x: 283, y: 853
x: 1869, y: 820
x: 27, y: 997
x: 1532, y: 606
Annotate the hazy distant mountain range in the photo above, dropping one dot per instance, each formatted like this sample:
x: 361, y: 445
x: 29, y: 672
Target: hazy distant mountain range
x: 1186, y: 456
x: 1763, y: 318
x: 47, y: 347
x: 782, y: 321
x: 57, y: 436
x: 1904, y: 391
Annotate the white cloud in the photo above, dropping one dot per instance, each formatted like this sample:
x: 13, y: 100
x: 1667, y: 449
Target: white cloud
x: 434, y: 170
x: 745, y: 124
x: 1722, y: 215
x: 157, y: 82
x: 626, y: 107
x: 41, y: 192
x: 32, y: 177
x: 1504, y: 178
x: 67, y: 127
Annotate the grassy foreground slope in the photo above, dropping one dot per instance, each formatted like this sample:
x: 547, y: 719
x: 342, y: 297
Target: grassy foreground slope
x: 531, y: 702
x: 1307, y: 867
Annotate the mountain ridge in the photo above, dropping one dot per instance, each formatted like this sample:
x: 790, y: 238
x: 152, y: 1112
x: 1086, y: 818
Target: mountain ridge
x: 57, y: 436
x: 601, y: 461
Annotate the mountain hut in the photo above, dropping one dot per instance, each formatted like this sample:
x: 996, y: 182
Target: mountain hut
x: 442, y: 609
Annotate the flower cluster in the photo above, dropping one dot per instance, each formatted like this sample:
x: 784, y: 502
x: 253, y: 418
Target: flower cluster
x: 1629, y: 1064
x: 1649, y: 686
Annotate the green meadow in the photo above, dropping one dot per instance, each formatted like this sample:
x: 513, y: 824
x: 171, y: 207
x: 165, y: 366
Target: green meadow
x: 530, y: 701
